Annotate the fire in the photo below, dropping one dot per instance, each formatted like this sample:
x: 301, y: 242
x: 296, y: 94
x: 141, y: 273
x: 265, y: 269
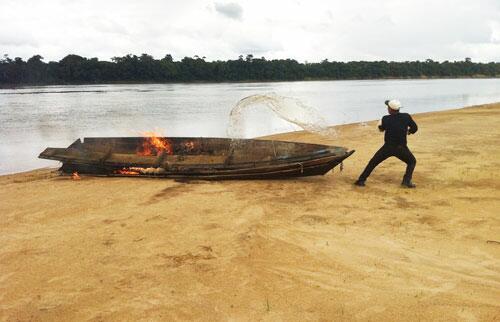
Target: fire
x: 128, y: 171
x: 75, y: 176
x: 153, y: 144
x: 137, y: 171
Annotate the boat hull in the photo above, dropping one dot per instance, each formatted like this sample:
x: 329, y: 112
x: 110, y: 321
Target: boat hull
x: 206, y: 159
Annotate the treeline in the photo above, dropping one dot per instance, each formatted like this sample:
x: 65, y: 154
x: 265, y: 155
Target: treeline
x: 74, y: 69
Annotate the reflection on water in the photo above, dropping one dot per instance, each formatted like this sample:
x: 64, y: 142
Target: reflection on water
x: 36, y: 117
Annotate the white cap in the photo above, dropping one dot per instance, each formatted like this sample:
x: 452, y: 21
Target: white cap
x: 394, y: 105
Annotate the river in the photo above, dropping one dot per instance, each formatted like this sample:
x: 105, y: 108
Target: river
x: 32, y: 118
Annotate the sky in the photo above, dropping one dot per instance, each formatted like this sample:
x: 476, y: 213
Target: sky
x: 313, y: 30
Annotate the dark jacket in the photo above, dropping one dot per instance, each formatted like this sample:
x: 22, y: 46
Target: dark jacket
x: 396, y: 127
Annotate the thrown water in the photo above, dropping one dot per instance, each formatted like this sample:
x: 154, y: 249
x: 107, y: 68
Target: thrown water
x: 291, y: 110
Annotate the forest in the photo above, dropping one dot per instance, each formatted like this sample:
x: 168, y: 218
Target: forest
x: 75, y: 69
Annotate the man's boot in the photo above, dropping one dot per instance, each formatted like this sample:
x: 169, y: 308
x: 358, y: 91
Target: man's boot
x: 408, y: 184
x: 359, y: 183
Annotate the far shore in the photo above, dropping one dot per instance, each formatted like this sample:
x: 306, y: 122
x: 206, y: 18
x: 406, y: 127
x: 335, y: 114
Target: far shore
x: 15, y: 86
x: 309, y: 249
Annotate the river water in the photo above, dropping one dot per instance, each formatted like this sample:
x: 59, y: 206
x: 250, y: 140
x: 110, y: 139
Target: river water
x: 32, y: 118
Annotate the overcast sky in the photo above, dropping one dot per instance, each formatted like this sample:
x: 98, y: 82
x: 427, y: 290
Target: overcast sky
x: 310, y: 30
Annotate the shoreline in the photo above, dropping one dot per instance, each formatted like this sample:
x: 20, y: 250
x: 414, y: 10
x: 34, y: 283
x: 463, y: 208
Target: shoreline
x: 277, y: 136
x: 315, y: 248
x: 13, y: 86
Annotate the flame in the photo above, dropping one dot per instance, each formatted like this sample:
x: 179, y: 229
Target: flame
x: 75, y: 176
x: 128, y: 171
x: 138, y: 170
x: 153, y: 144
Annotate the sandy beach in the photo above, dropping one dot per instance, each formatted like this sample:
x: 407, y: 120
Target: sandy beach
x: 310, y: 249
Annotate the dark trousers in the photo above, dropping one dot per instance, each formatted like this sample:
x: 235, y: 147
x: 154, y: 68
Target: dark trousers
x: 399, y: 151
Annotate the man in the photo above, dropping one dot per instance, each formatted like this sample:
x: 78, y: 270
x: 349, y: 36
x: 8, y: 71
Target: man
x: 396, y: 125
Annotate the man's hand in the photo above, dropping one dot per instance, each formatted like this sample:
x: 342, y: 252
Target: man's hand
x: 379, y: 125
x: 410, y: 132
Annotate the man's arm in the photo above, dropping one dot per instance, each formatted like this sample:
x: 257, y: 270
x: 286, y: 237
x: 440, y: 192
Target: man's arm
x: 413, y: 128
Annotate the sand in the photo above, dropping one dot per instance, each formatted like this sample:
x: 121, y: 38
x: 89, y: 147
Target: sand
x: 317, y: 248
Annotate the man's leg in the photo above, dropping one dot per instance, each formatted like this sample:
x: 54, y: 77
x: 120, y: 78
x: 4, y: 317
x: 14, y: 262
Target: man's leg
x: 404, y: 154
x: 383, y: 153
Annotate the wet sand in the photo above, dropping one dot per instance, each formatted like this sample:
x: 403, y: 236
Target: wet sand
x: 318, y: 248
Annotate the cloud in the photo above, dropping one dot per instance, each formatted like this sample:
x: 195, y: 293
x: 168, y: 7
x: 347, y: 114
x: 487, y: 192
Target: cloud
x: 495, y: 32
x: 256, y: 46
x: 8, y: 38
x: 309, y: 30
x: 230, y: 10
x: 106, y: 26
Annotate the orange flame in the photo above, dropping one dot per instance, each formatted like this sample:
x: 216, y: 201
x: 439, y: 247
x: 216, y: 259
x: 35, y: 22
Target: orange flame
x: 75, y: 176
x: 153, y: 144
x: 127, y: 171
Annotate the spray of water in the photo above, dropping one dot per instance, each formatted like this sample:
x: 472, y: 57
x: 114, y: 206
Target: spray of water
x: 289, y: 109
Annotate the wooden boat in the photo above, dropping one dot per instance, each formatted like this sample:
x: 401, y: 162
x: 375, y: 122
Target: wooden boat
x: 196, y: 158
